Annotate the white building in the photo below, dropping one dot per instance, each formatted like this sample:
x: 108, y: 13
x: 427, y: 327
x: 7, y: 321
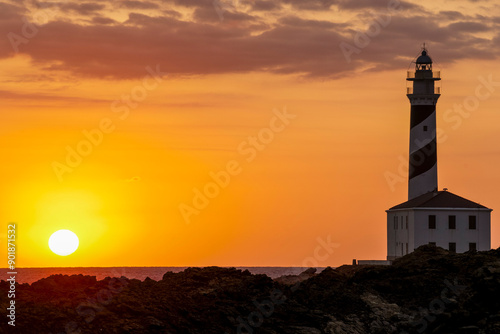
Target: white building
x: 431, y: 216
x: 440, y: 218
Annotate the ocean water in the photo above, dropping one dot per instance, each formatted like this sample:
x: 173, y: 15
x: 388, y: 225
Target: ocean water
x: 30, y: 275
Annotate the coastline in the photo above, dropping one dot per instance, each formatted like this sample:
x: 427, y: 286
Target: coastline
x: 430, y: 289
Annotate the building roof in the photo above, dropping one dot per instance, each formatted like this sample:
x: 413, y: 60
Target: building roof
x: 439, y: 199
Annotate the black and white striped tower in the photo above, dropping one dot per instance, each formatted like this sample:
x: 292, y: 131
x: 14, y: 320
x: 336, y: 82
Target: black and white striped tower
x: 423, y: 96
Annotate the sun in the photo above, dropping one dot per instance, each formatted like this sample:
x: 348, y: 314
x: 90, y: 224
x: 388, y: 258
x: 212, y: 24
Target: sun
x: 63, y: 242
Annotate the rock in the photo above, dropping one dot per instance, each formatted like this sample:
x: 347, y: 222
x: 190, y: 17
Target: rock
x: 430, y: 290
x: 303, y: 330
x: 352, y: 325
x: 294, y: 279
x: 469, y: 330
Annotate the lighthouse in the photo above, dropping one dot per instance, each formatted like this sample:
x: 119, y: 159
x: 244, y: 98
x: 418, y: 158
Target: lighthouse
x: 431, y: 216
x: 423, y: 94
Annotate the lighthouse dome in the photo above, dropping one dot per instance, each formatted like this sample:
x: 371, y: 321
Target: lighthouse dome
x: 424, y: 58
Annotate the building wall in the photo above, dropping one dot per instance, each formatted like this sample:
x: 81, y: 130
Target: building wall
x: 462, y: 235
x: 400, y: 235
x: 418, y: 232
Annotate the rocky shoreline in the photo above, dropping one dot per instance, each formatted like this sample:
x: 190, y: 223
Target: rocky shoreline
x: 428, y: 291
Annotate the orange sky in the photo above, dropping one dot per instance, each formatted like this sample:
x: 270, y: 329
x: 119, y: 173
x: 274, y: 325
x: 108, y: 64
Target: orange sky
x: 224, y: 78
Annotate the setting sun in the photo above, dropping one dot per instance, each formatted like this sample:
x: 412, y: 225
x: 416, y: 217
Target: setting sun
x: 63, y: 242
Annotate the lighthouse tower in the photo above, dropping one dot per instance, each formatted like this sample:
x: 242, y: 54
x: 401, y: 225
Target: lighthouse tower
x: 430, y: 216
x: 423, y: 96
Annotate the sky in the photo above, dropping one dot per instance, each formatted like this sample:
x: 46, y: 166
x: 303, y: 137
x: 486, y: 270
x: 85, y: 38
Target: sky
x: 233, y: 132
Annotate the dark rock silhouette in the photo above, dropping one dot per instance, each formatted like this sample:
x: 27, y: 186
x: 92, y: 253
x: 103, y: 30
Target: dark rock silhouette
x: 427, y: 291
x: 294, y: 279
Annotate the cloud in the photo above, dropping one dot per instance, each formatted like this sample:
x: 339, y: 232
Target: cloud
x: 84, y: 8
x: 132, y: 4
x: 11, y: 21
x: 376, y: 4
x: 199, y: 3
x: 172, y: 13
x: 8, y: 11
x: 35, y: 97
x: 276, y: 41
x: 204, y: 14
x: 310, y: 24
x: 264, y: 5
x: 102, y: 20
x: 182, y: 48
x: 451, y: 15
x: 314, y: 5
x: 468, y: 27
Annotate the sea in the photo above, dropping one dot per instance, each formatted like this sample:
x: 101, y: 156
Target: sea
x: 30, y: 275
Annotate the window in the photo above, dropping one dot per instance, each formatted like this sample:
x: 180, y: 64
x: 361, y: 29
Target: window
x: 452, y: 222
x: 406, y: 222
x: 406, y: 248
x: 425, y: 128
x: 395, y: 222
x: 472, y: 246
x: 432, y: 222
x: 432, y: 244
x: 472, y: 222
x: 452, y: 247
x: 401, y: 222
